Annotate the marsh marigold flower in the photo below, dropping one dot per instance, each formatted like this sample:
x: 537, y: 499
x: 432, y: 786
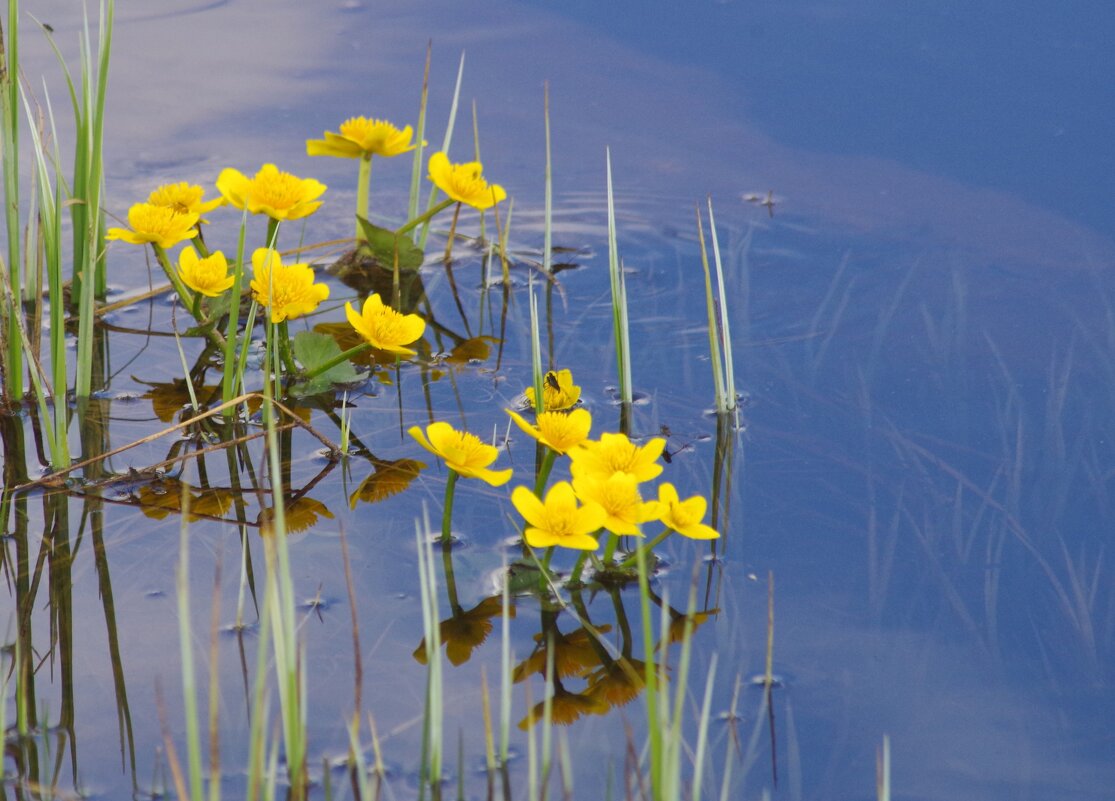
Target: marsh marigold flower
x: 558, y: 520
x: 159, y: 225
x: 208, y: 276
x: 361, y: 137
x: 462, y: 452
x: 557, y: 430
x: 384, y: 328
x: 288, y: 291
x: 558, y: 391
x: 184, y: 198
x: 684, y: 517
x: 463, y: 182
x: 619, y: 496
x: 279, y: 195
x: 615, y: 453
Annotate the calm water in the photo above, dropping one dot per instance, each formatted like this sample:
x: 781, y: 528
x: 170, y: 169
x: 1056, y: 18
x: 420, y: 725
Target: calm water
x: 925, y: 334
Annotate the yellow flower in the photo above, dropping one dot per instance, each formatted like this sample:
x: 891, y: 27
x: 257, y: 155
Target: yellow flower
x: 615, y: 453
x: 384, y: 328
x: 184, y: 198
x: 209, y: 276
x: 159, y: 225
x: 288, y: 291
x: 558, y: 520
x: 619, y: 496
x: 463, y: 182
x: 557, y: 430
x: 684, y: 517
x: 558, y: 391
x: 279, y: 195
x: 462, y: 452
x: 389, y: 478
x: 363, y: 137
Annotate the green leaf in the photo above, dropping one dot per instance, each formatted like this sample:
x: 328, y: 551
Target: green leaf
x: 313, y: 350
x: 381, y: 244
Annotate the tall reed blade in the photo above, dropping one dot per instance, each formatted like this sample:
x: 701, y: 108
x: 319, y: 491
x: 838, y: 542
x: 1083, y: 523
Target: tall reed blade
x: 729, y: 397
x: 11, y: 361
x: 619, y: 298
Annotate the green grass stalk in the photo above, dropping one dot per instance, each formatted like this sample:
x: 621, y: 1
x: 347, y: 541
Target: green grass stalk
x: 548, y: 210
x: 719, y: 394
x: 476, y: 157
x: 50, y: 222
x: 536, y: 354
x: 619, y: 298
x: 232, y: 377
x: 420, y: 137
x: 446, y: 142
x: 433, y: 716
x: 9, y: 154
x: 725, y: 328
x: 185, y: 643
x: 882, y: 770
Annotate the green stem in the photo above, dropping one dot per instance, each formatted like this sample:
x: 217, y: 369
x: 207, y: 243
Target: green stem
x: 610, y: 548
x: 363, y: 193
x: 546, y: 559
x: 575, y: 576
x: 447, y: 515
x: 544, y: 471
x: 232, y: 375
x: 647, y: 548
x: 410, y: 224
x: 284, y: 350
x: 186, y: 296
x: 200, y: 246
x: 272, y: 233
x: 340, y: 357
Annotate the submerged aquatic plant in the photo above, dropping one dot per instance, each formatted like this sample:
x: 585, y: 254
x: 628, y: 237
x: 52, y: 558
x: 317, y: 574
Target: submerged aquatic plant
x: 287, y: 290
x: 559, y: 519
x: 280, y: 195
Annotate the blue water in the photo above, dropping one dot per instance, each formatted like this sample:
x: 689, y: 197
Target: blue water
x: 925, y: 343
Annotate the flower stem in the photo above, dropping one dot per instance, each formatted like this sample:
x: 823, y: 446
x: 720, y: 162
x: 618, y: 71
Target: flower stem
x: 447, y: 515
x: 452, y: 234
x: 410, y: 224
x: 610, y: 548
x: 647, y: 548
x: 200, y: 246
x: 340, y: 357
x: 272, y: 233
x: 363, y: 192
x: 285, y: 354
x: 544, y: 471
x: 575, y: 576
